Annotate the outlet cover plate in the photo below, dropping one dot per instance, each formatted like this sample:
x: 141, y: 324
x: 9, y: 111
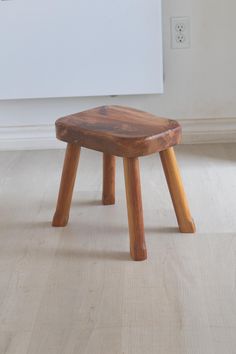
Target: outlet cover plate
x: 180, y: 32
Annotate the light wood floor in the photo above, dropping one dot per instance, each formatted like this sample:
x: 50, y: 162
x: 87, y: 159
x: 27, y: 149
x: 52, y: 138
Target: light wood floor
x: 75, y: 290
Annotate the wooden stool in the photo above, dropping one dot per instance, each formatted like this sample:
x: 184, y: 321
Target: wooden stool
x: 129, y: 133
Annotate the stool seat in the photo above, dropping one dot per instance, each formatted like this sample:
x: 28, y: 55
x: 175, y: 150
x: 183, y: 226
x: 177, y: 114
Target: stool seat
x: 119, y: 131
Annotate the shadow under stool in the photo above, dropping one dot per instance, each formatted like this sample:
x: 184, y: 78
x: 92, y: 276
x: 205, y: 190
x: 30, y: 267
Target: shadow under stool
x: 128, y: 133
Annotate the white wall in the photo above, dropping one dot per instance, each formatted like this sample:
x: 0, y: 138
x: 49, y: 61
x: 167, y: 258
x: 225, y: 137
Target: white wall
x: 199, y: 82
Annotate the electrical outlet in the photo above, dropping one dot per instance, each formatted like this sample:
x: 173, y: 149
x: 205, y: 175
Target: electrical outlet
x: 180, y: 32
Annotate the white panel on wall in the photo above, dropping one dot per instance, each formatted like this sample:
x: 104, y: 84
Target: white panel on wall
x: 61, y: 48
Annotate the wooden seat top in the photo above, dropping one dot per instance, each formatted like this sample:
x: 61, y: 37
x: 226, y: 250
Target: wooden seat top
x: 119, y: 131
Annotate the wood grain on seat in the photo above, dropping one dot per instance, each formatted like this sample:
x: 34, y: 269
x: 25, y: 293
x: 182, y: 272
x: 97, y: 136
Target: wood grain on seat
x: 119, y: 131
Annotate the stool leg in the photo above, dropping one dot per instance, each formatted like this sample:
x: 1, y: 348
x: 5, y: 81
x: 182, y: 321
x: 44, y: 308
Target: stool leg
x: 109, y: 170
x: 134, y: 206
x: 176, y: 188
x: 71, y: 161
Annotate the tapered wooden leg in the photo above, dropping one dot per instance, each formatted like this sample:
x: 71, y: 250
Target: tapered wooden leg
x: 71, y: 161
x: 135, y: 212
x: 176, y: 188
x: 109, y: 170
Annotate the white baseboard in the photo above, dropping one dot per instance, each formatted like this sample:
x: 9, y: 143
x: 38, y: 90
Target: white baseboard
x: 32, y: 137
x: 209, y: 130
x: 41, y: 137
